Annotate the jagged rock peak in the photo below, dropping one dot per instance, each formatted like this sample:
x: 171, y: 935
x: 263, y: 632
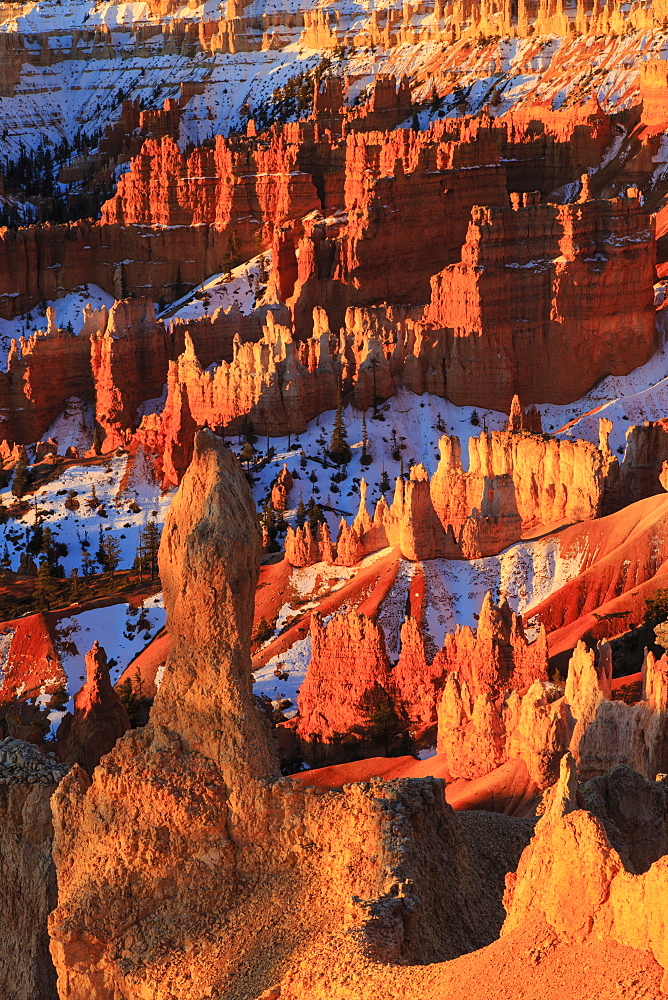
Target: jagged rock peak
x: 99, y: 716
x: 209, y: 564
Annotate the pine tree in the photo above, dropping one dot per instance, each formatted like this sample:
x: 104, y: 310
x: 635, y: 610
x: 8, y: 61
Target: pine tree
x: 46, y: 588
x: 366, y: 457
x: 139, y: 564
x: 339, y: 451
x: 301, y: 513
x: 382, y: 723
x: 234, y: 247
x: 151, y: 543
x: 6, y: 562
x: 98, y: 440
x: 384, y: 485
x: 373, y: 363
x: 21, y: 479
x: 247, y: 454
x: 315, y: 515
x: 93, y: 502
x: 268, y: 519
x: 87, y: 562
x: 76, y: 587
x: 101, y: 555
x: 112, y: 553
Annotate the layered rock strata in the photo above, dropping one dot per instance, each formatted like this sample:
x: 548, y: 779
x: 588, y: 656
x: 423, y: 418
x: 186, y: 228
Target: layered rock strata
x: 516, y: 481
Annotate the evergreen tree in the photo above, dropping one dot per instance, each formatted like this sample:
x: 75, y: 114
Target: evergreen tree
x: 247, y: 454
x: 112, y: 553
x: 21, y: 479
x: 100, y: 555
x: 301, y: 513
x: 46, y: 588
x: 373, y: 363
x: 315, y: 514
x: 339, y: 451
x: 384, y: 486
x: 366, y: 457
x: 76, y: 587
x: 382, y: 723
x: 140, y: 564
x: 268, y: 519
x: 87, y: 562
x: 98, y: 440
x: 151, y: 543
x: 6, y: 562
x: 93, y: 501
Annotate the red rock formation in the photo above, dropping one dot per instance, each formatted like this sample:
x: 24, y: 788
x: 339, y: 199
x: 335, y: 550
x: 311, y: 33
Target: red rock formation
x: 552, y: 480
x: 608, y: 732
x: 479, y: 731
x: 276, y: 383
x: 99, y: 716
x: 654, y: 93
x: 349, y: 673
x: 497, y: 658
x: 43, y: 371
x: 516, y: 481
x: 348, y: 676
x: 303, y: 548
x: 519, y: 271
x: 219, y: 725
x: 638, y: 475
x: 27, y: 890
x: 38, y: 262
x: 280, y: 489
x: 234, y: 183
x: 129, y: 363
x: 416, y: 681
x: 585, y: 889
x: 33, y: 664
x: 407, y: 189
x: 158, y: 846
x: 621, y: 559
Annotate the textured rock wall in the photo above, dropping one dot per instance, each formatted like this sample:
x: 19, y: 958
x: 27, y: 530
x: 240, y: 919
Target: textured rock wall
x: 183, y: 852
x: 538, y: 288
x: 516, y: 480
x: 480, y: 731
x: 42, y: 373
x: 350, y: 677
x: 585, y: 887
x: 27, y: 891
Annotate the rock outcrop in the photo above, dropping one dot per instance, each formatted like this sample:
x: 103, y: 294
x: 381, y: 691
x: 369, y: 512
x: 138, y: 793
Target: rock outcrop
x: 538, y: 725
x: 586, y: 887
x: 99, y: 717
x: 534, y: 286
x: 182, y: 852
x: 350, y: 678
x: 516, y: 481
x: 27, y: 873
x: 497, y: 657
x: 209, y: 560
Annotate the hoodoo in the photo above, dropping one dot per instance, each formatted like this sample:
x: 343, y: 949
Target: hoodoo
x: 333, y: 500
